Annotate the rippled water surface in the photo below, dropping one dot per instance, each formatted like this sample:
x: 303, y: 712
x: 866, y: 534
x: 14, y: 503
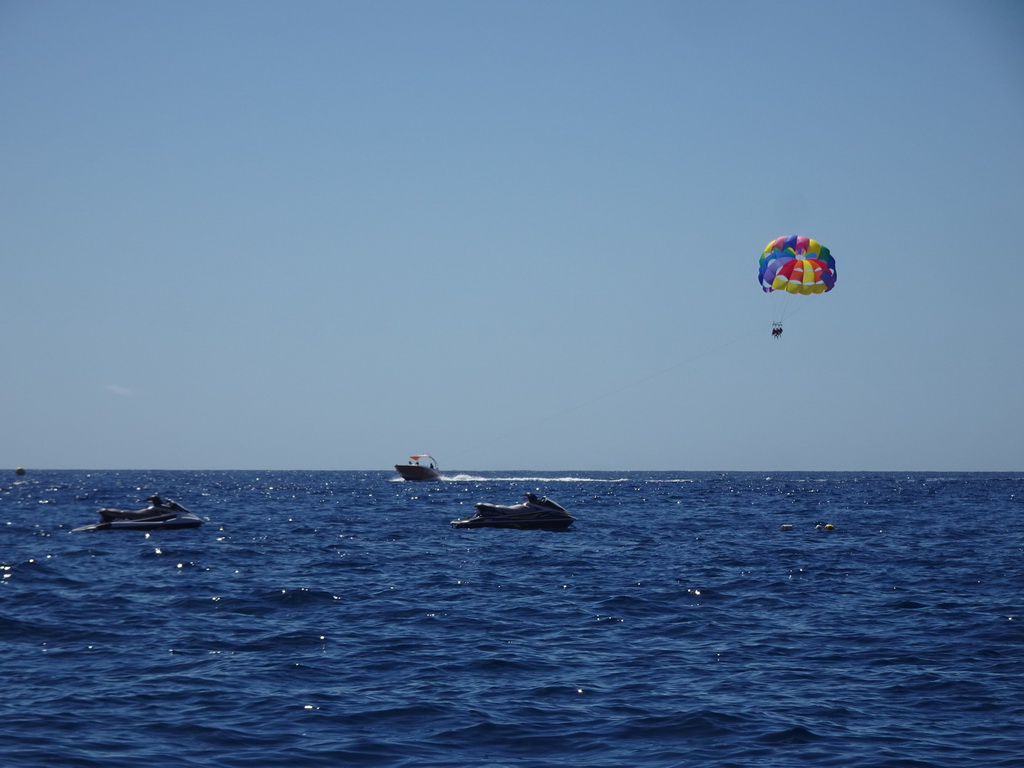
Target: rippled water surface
x: 336, y: 618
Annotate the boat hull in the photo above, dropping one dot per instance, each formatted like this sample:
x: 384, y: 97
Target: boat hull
x: 416, y: 472
x: 187, y: 520
x: 522, y: 524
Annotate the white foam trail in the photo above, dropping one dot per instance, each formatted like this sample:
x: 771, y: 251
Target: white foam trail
x: 533, y: 479
x: 466, y: 478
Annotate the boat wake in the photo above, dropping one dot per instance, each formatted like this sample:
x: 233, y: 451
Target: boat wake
x: 466, y: 478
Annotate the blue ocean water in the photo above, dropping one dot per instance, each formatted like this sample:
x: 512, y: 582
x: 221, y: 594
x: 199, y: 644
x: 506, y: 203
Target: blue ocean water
x: 335, y: 619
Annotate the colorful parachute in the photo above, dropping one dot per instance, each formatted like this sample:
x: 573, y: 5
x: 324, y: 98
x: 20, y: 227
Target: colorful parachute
x: 798, y: 265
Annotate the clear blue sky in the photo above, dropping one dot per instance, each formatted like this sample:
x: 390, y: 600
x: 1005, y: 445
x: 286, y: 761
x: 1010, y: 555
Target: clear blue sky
x: 516, y: 235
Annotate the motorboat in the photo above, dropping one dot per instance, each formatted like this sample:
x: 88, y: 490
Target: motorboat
x: 534, y: 512
x: 422, y: 466
x: 161, y: 513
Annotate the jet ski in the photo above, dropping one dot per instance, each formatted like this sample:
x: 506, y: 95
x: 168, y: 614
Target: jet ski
x: 540, y: 513
x: 161, y: 513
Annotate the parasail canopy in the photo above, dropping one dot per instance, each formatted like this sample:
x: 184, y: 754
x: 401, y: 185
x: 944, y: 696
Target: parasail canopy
x: 796, y: 264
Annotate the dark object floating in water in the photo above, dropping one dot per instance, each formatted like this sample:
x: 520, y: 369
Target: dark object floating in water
x: 19, y: 471
x: 159, y: 514
x: 415, y: 470
x: 533, y: 513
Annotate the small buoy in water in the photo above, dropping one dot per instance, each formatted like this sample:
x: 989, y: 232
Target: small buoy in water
x: 19, y: 471
x: 829, y: 527
x: 787, y: 527
x: 824, y: 527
